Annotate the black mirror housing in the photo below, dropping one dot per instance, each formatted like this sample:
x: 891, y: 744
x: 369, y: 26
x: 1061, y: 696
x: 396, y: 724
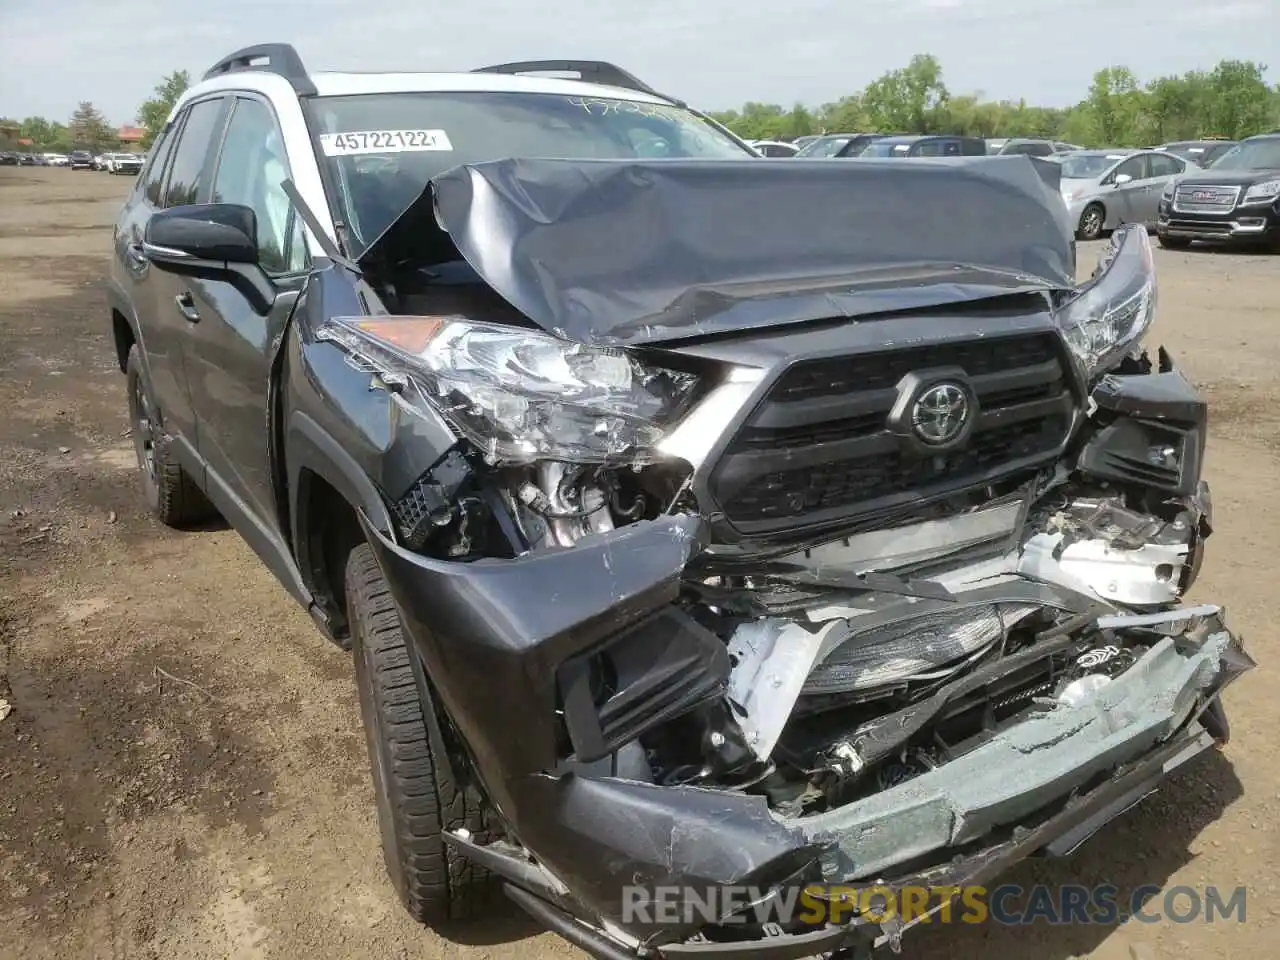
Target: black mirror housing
x: 218, y: 232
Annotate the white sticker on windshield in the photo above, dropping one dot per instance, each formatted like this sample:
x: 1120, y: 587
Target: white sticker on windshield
x: 384, y: 141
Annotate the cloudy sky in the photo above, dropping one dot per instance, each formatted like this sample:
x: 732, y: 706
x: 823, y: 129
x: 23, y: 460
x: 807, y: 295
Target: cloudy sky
x: 713, y: 53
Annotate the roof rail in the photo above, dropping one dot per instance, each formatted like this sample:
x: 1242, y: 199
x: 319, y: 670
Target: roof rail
x: 589, y: 71
x: 278, y: 58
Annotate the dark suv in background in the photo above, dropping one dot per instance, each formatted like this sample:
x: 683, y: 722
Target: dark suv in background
x: 80, y: 160
x: 926, y: 146
x: 1237, y: 200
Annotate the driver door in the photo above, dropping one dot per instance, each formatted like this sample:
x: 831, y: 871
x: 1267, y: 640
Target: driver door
x: 232, y: 342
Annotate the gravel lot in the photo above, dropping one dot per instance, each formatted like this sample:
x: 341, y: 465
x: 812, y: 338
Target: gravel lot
x: 184, y: 776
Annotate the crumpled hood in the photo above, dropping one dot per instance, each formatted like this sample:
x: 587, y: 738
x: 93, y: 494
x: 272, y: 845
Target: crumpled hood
x: 628, y: 252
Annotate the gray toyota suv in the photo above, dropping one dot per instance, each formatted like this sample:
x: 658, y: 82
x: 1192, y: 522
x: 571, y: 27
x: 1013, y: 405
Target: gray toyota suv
x: 701, y: 530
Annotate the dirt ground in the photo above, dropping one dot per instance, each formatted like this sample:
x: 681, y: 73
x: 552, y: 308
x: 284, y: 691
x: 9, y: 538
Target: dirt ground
x: 183, y: 774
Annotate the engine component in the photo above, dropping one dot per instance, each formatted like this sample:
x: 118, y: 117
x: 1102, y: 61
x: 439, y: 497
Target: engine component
x: 1101, y: 547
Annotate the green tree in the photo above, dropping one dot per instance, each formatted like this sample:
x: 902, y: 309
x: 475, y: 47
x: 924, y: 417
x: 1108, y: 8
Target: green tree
x: 155, y: 111
x: 1116, y: 105
x: 39, y: 131
x: 1231, y: 100
x: 1239, y: 102
x: 912, y: 99
x: 89, y: 130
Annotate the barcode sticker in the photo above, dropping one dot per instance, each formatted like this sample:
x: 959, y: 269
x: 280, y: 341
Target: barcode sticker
x: 384, y: 141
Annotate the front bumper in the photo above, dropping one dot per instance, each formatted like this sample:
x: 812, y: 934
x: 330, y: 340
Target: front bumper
x: 1244, y: 224
x: 492, y: 635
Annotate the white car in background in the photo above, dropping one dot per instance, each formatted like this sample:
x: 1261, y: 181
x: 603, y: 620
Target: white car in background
x: 774, y: 148
x: 124, y: 163
x: 57, y: 159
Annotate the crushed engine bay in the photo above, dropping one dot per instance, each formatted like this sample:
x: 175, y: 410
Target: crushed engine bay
x: 803, y: 661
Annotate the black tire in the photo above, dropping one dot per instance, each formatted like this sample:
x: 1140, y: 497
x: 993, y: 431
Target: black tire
x: 1091, y: 221
x: 417, y: 795
x: 172, y: 496
x: 1174, y: 243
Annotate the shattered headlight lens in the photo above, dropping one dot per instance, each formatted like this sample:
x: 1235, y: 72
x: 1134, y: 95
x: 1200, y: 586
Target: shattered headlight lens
x: 1115, y: 309
x: 519, y: 395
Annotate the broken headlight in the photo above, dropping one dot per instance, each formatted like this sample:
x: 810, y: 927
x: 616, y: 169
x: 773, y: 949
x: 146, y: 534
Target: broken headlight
x: 1113, y: 311
x: 519, y: 395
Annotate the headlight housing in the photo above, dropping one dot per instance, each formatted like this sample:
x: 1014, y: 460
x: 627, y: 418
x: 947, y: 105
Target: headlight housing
x: 1114, y: 310
x: 1169, y: 188
x: 519, y: 395
x: 1263, y: 192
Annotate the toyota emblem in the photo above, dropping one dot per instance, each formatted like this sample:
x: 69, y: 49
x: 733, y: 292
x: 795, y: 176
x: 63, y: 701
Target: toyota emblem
x: 940, y: 413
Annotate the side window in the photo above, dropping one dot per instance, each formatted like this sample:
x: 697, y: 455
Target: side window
x: 1165, y: 166
x: 251, y: 168
x: 153, y: 176
x: 189, y: 172
x: 929, y: 148
x: 1134, y: 167
x: 951, y: 148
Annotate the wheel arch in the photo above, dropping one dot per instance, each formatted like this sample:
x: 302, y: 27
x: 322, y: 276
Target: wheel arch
x: 124, y: 326
x: 327, y: 493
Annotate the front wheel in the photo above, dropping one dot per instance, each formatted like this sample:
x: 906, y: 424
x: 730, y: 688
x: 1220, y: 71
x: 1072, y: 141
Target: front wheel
x: 1091, y: 222
x: 417, y: 796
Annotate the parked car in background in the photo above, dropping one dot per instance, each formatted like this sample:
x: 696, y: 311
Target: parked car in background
x: 1032, y: 147
x: 1104, y: 188
x: 56, y: 159
x: 1202, y: 153
x: 774, y: 148
x: 124, y: 163
x: 839, y: 145
x: 806, y: 139
x: 8, y: 159
x: 926, y: 146
x: 80, y: 160
x: 99, y: 161
x: 1237, y: 199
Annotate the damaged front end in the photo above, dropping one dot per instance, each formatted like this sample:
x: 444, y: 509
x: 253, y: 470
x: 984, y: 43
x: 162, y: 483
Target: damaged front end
x: 856, y: 609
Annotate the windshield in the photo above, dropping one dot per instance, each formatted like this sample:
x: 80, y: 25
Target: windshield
x: 381, y: 150
x: 1086, y: 167
x: 824, y: 147
x: 1251, y: 155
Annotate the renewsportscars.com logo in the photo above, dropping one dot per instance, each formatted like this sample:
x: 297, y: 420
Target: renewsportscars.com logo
x: 1009, y: 904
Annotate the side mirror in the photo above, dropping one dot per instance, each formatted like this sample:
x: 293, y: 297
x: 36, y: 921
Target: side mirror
x: 197, y: 237
x: 1121, y: 179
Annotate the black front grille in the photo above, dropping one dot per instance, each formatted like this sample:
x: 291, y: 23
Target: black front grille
x: 819, y: 447
x: 879, y: 371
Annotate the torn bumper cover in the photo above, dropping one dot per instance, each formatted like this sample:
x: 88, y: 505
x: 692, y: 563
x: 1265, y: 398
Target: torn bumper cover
x: 509, y: 644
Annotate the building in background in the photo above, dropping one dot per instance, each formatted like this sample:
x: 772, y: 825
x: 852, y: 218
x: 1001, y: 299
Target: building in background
x: 131, y: 139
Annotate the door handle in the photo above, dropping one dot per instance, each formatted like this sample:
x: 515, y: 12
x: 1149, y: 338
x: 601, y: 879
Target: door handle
x: 187, y: 307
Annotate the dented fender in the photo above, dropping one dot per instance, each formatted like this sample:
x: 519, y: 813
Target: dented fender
x: 492, y: 634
